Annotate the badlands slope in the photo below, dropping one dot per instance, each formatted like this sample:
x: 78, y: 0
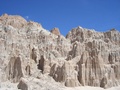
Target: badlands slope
x: 33, y: 58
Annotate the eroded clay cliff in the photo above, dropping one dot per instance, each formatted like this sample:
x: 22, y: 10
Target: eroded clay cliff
x: 84, y: 57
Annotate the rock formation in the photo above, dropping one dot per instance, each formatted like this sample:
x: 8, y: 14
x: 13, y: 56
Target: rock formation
x: 14, y: 69
x: 84, y: 57
x: 55, y: 31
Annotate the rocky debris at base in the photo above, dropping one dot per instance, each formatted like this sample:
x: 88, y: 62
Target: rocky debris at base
x: 8, y: 86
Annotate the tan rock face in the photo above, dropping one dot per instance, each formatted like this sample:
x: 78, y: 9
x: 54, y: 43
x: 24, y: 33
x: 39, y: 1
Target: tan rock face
x: 15, y: 21
x: 55, y: 31
x: 99, y: 54
x: 84, y: 57
x: 14, y: 69
x: 23, y: 85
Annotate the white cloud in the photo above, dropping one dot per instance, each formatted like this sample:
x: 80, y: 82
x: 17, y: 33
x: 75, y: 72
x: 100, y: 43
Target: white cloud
x: 27, y: 17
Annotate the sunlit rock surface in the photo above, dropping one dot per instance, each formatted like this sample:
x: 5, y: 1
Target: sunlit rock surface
x: 30, y: 54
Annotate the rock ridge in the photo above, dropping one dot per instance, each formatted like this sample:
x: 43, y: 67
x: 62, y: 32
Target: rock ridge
x: 83, y: 57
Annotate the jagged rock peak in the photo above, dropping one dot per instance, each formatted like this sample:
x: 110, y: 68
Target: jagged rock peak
x: 34, y: 24
x: 113, y: 30
x: 55, y: 31
x: 17, y: 21
x: 5, y: 15
x: 14, y: 20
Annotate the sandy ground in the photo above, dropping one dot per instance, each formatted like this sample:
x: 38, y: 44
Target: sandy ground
x: 92, y: 88
x: 12, y: 86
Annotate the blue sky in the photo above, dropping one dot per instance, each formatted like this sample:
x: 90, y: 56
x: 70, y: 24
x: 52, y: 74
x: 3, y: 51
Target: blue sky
x: 100, y: 15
